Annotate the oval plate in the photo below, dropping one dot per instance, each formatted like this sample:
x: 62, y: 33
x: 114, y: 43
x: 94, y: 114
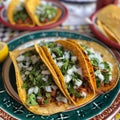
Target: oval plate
x: 10, y: 104
x: 100, y: 35
x: 4, y: 20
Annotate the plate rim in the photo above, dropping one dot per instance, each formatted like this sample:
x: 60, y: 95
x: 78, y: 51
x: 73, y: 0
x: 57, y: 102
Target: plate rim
x: 60, y: 21
x: 101, y: 114
x: 99, y: 34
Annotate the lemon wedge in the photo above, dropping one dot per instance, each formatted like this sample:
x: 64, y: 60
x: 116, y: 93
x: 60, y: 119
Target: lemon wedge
x: 3, y: 51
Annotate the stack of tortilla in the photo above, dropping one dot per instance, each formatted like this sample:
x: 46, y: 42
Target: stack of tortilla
x: 108, y: 20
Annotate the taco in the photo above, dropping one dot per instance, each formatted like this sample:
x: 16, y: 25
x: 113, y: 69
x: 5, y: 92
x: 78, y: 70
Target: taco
x: 37, y: 84
x: 42, y: 14
x: 105, y: 66
x: 17, y: 14
x: 69, y: 66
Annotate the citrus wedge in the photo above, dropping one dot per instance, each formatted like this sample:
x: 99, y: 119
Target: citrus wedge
x: 3, y: 51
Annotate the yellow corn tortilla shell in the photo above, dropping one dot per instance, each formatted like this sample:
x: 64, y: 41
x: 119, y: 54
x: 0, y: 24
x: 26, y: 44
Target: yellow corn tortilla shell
x: 31, y: 8
x: 107, y: 32
x: 108, y: 57
x: 110, y: 17
x: 75, y: 50
x: 48, y: 109
x: 10, y: 12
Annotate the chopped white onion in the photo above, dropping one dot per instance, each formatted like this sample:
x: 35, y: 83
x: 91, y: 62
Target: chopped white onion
x: 38, y: 97
x: 78, y: 83
x: 36, y: 89
x: 30, y: 90
x: 44, y: 79
x: 61, y: 99
x: 27, y: 73
x: 54, y: 87
x: 48, y: 88
x: 20, y: 58
x: 53, y: 55
x: 66, y: 55
x: 34, y: 59
x: 60, y: 58
x: 110, y: 77
x: 74, y: 58
x: 67, y: 78
x: 29, y: 68
x: 79, y: 71
x: 45, y: 72
x: 73, y: 69
x: 99, y: 75
x: 21, y: 65
x: 83, y: 94
x: 60, y: 64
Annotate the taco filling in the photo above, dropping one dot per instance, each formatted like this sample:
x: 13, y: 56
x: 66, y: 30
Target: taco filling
x: 76, y: 84
x: 38, y: 81
x: 21, y: 16
x: 46, y: 12
x: 102, y: 69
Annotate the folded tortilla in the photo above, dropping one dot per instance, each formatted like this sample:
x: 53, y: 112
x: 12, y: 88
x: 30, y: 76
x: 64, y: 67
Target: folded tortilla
x: 109, y: 17
x: 107, y: 57
x: 46, y: 109
x: 82, y: 64
x: 31, y: 6
x: 13, y: 6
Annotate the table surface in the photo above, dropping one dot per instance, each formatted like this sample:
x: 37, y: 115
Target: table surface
x: 79, y: 24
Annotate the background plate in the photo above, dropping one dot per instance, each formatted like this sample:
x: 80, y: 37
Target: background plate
x: 99, y: 106
x: 4, y: 20
x: 100, y: 35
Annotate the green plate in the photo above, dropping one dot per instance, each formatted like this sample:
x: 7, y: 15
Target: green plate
x: 101, y: 105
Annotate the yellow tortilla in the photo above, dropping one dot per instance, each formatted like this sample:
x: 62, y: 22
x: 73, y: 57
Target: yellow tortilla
x: 31, y: 6
x: 48, y: 109
x: 75, y: 50
x: 107, y: 32
x: 11, y: 10
x: 109, y: 17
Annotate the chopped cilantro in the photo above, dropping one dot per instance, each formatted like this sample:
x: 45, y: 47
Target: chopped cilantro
x: 31, y: 100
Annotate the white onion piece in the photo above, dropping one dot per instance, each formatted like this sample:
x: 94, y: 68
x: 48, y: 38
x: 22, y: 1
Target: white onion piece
x: 74, y: 58
x: 54, y: 87
x: 34, y: 59
x: 20, y: 58
x: 66, y: 55
x: 67, y: 78
x: 83, y: 94
x: 38, y: 97
x: 29, y: 68
x: 79, y: 71
x: 61, y: 99
x: 44, y: 79
x: 30, y: 90
x: 78, y: 83
x: 60, y: 64
x: 45, y: 72
x: 53, y: 55
x: 27, y: 73
x: 36, y: 89
x: 48, y: 88
x: 60, y: 58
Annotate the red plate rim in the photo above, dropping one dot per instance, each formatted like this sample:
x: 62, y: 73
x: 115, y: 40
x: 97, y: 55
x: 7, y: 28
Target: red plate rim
x: 16, y: 27
x: 99, y: 35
